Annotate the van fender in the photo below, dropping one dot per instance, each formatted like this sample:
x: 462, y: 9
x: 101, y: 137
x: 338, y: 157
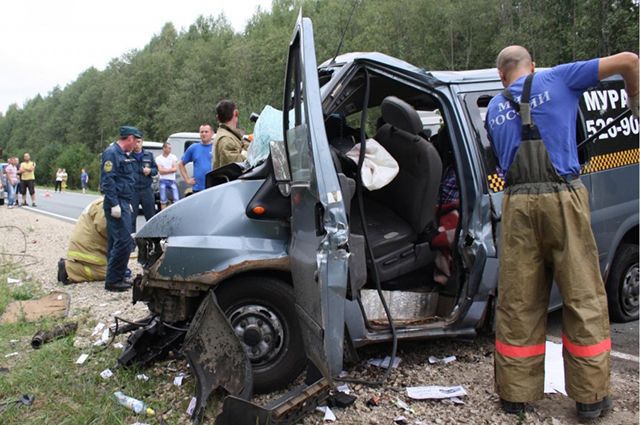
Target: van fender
x: 215, y: 356
x: 623, y: 229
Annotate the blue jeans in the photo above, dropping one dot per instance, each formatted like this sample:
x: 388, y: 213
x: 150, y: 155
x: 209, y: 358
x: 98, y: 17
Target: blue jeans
x: 168, y: 185
x: 11, y: 192
x: 120, y: 244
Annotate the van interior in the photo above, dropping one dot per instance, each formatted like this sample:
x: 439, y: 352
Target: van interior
x: 411, y: 224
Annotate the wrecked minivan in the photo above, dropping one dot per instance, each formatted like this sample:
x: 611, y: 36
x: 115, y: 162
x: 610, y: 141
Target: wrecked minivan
x: 282, y: 264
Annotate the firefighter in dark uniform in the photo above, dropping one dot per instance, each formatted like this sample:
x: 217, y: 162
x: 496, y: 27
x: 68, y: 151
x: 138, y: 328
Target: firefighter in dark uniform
x: 546, y: 230
x: 145, y: 169
x: 117, y: 180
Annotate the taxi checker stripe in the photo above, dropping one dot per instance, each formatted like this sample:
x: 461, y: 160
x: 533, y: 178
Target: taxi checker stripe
x: 520, y: 351
x: 586, y: 350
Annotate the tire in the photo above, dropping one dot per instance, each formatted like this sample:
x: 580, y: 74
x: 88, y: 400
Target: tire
x: 262, y: 313
x: 622, y: 284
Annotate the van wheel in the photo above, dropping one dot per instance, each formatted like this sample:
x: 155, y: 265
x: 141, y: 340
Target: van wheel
x: 622, y: 284
x: 262, y: 314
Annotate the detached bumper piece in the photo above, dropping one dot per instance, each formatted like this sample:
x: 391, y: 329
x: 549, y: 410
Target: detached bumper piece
x: 216, y: 356
x: 288, y: 409
x: 150, y: 343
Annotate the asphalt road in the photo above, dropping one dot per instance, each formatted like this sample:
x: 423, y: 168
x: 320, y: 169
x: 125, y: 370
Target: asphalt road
x: 66, y: 205
x: 624, y: 336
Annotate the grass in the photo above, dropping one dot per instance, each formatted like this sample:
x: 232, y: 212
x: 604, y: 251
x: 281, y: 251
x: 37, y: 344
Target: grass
x: 67, y: 393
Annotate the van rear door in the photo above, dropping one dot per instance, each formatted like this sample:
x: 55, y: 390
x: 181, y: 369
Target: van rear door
x: 319, y: 228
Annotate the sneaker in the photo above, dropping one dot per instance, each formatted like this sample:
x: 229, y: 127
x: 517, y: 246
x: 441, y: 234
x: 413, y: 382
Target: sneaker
x: 593, y: 410
x: 63, y: 277
x: 117, y: 286
x: 512, y: 407
x: 10, y: 206
x: 33, y: 204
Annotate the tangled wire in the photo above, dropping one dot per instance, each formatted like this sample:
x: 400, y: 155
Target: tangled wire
x: 10, y: 253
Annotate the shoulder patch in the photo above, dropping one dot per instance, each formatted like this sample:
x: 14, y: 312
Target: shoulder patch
x: 108, y: 166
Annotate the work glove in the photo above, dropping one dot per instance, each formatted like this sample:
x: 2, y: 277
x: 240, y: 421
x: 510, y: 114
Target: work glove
x: 116, y: 212
x: 633, y: 105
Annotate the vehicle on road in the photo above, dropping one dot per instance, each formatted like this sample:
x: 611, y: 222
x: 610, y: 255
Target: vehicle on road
x: 286, y: 260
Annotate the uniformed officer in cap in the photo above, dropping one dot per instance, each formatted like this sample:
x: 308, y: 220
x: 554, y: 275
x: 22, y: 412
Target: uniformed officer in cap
x: 117, y: 181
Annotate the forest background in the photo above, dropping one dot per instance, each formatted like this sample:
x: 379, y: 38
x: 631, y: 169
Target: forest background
x: 174, y: 82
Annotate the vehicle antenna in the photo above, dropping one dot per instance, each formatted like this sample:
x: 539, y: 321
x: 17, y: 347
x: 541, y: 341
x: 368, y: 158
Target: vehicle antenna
x: 344, y: 32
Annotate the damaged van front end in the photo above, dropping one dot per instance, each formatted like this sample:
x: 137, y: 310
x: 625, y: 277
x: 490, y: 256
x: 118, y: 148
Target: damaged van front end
x: 199, y: 247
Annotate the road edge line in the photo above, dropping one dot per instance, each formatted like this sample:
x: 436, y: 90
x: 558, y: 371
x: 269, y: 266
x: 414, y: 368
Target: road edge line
x: 615, y: 354
x: 58, y: 216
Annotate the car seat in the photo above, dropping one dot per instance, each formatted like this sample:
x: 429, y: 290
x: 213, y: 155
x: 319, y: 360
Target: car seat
x: 401, y: 216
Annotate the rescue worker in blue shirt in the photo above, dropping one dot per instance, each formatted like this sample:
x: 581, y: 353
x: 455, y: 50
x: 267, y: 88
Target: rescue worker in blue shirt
x: 145, y: 169
x: 117, y: 180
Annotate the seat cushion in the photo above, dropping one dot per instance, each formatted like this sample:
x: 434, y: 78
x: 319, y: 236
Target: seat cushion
x: 387, y: 231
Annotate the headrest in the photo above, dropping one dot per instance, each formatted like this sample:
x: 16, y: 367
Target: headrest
x: 401, y: 115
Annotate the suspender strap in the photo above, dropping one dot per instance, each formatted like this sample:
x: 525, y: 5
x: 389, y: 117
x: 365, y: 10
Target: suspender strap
x: 529, y: 129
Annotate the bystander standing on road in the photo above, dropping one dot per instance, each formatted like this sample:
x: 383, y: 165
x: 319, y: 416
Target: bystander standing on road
x: 144, y: 170
x: 200, y: 155
x: 11, y: 172
x: 65, y: 177
x: 229, y: 146
x: 546, y: 231
x: 58, y: 185
x: 27, y: 173
x: 167, y: 166
x: 117, y: 181
x: 84, y: 180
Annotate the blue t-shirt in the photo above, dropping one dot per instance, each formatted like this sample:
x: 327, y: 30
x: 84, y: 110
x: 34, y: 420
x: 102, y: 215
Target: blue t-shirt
x: 555, y: 94
x: 200, y: 155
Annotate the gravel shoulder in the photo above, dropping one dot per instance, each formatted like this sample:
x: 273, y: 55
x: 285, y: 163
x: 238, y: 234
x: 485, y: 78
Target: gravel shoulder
x: 44, y: 241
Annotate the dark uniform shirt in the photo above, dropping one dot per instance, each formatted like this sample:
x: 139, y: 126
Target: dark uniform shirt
x: 117, y: 177
x: 142, y: 160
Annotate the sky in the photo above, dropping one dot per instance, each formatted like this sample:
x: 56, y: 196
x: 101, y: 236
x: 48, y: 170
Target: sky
x: 44, y: 44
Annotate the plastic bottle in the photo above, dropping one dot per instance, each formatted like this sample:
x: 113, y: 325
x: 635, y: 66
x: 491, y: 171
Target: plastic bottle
x: 138, y: 406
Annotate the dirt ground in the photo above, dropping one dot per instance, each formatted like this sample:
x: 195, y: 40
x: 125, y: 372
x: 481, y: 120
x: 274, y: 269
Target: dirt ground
x: 40, y: 241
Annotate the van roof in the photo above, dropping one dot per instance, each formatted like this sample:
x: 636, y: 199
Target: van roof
x: 151, y: 144
x: 185, y: 135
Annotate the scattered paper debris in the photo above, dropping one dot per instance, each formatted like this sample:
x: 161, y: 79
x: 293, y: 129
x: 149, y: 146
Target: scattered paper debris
x: 444, y: 360
x: 328, y: 414
x: 343, y: 373
x: 118, y: 345
x: 104, y: 338
x: 404, y: 406
x: 13, y: 341
x: 115, y: 313
x: 12, y: 281
x: 177, y: 381
x: 82, y: 358
x: 192, y: 406
x: 344, y: 388
x: 385, y: 362
x: 103, y: 304
x: 140, y: 423
x: 106, y: 374
x: 15, y: 353
x: 401, y: 420
x: 553, y: 369
x: 142, y: 377
x: 99, y: 327
x: 456, y: 400
x: 435, y: 392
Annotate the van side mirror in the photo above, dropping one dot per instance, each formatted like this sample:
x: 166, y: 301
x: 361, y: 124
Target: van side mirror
x: 280, y: 162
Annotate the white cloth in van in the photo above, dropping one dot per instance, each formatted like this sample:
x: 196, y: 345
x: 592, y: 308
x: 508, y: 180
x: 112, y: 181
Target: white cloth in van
x: 379, y: 167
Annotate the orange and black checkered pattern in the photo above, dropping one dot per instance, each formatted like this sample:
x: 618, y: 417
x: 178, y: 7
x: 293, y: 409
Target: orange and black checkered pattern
x: 597, y: 163
x: 496, y: 182
x: 611, y: 160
